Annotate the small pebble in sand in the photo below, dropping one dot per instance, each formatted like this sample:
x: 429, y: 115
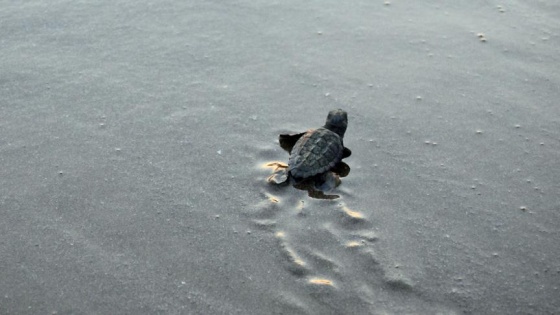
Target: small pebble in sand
x: 418, y: 98
x: 481, y: 37
x: 319, y: 33
x: 518, y: 126
x: 479, y: 132
x: 387, y: 3
x: 523, y: 208
x: 427, y: 142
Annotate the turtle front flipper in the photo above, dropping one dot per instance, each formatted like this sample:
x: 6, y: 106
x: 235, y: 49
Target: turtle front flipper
x: 346, y: 152
x: 287, y: 142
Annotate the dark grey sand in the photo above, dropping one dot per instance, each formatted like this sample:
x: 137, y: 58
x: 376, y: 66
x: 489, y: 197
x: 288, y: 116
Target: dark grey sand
x: 133, y: 134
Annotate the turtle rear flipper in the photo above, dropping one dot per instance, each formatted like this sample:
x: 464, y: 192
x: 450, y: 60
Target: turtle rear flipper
x: 327, y: 181
x: 341, y: 169
x: 287, y: 142
x: 280, y: 178
x: 317, y: 194
x: 346, y: 152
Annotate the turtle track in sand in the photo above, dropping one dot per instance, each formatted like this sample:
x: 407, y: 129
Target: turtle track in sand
x: 331, y: 251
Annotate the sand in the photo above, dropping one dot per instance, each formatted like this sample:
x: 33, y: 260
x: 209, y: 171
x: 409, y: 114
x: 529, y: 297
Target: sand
x: 133, y: 136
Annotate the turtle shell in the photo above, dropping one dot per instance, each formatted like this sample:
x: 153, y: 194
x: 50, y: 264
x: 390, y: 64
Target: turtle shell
x: 316, y: 152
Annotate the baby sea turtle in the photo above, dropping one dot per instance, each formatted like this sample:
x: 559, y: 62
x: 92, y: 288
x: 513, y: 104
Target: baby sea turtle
x: 317, y: 152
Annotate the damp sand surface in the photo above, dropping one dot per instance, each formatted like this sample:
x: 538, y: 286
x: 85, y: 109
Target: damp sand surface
x: 133, y: 134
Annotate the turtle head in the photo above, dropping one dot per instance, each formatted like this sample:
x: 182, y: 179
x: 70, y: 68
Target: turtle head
x: 337, y: 121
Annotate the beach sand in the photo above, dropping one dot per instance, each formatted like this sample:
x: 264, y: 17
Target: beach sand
x: 133, y: 136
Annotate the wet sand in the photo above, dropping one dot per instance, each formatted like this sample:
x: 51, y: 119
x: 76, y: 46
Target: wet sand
x: 133, y: 137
